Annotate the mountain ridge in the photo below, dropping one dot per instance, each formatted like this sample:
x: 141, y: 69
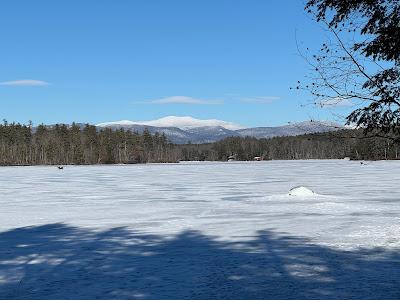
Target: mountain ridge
x: 188, y: 132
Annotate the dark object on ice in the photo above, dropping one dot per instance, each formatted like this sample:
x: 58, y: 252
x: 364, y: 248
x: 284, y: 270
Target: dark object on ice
x: 232, y: 157
x: 60, y: 167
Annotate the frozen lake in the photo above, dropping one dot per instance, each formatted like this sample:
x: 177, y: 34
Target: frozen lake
x: 201, y: 231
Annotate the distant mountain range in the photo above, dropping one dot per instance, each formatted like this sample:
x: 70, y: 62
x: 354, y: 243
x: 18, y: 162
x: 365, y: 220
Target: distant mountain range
x: 182, y: 130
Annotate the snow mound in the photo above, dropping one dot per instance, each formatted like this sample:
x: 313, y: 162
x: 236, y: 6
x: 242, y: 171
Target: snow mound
x: 301, y: 191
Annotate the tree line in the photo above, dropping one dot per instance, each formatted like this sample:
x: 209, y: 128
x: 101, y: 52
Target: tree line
x: 86, y: 144
x: 353, y: 144
x: 79, y: 144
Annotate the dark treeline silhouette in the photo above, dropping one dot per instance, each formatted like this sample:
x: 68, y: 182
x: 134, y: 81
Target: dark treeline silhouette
x: 333, y: 145
x: 79, y: 144
x: 86, y: 144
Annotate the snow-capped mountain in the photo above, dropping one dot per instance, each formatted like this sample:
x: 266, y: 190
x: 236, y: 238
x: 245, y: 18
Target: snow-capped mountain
x: 179, y: 122
x: 181, y: 130
x: 290, y: 130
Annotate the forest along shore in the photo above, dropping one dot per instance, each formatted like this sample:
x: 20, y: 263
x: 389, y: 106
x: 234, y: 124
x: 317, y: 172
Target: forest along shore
x: 21, y: 145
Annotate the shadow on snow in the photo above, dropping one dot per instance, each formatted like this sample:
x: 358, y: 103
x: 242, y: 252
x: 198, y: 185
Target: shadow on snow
x: 57, y: 261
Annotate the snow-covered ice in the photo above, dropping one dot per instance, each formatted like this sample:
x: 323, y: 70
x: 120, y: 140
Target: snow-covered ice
x: 201, y: 231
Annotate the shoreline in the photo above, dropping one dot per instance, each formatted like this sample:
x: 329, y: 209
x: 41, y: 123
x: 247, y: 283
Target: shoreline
x: 200, y: 161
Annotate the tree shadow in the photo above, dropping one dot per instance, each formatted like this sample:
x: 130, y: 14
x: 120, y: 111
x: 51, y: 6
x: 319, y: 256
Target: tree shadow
x: 57, y: 261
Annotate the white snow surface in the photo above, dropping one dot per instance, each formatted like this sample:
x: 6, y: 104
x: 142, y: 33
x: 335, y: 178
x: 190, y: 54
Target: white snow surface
x: 201, y: 231
x: 184, y: 123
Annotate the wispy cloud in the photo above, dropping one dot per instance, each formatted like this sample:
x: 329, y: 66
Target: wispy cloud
x: 182, y: 100
x: 335, y: 102
x: 24, y: 82
x: 259, y: 99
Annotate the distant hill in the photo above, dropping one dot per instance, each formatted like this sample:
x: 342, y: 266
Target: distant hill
x: 181, y: 130
x: 290, y: 130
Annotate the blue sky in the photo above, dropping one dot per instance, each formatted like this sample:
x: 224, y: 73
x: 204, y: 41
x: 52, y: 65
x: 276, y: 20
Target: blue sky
x: 96, y: 60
